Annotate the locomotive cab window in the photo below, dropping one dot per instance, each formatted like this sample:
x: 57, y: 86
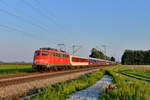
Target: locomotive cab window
x: 37, y: 53
x: 44, y: 53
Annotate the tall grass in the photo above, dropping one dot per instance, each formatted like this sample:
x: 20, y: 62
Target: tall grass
x: 63, y: 90
x: 127, y: 89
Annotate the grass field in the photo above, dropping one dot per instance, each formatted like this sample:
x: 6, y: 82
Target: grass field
x: 15, y: 68
x: 136, y: 71
x: 127, y: 89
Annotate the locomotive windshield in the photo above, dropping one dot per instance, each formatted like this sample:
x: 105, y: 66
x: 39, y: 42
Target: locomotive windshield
x: 37, y: 53
x: 44, y: 53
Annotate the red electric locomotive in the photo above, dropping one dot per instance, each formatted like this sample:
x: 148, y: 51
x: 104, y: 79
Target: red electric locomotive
x: 47, y: 57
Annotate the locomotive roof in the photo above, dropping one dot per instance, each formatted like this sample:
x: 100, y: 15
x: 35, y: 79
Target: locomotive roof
x: 51, y: 49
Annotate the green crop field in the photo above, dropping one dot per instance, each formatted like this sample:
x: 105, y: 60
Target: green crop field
x: 135, y: 71
x: 15, y: 68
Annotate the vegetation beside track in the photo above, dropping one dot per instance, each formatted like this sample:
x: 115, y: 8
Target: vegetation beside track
x: 62, y: 91
x: 15, y: 68
x: 127, y: 88
x: 141, y: 74
x: 136, y: 72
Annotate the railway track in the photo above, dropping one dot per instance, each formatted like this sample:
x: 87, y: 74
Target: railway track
x: 22, y: 78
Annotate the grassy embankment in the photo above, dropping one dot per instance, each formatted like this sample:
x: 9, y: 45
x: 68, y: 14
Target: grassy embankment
x: 63, y: 90
x: 15, y: 68
x: 136, y: 72
x: 127, y: 88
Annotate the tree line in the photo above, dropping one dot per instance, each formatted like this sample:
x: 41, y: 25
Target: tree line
x: 136, y: 57
x: 100, y: 55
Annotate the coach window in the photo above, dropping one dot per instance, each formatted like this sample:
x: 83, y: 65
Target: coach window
x: 44, y: 53
x: 64, y: 55
x: 61, y: 55
x: 58, y: 55
x: 54, y: 54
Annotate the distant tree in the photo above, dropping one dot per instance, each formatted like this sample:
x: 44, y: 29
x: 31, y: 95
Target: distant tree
x: 112, y: 59
x: 147, y: 57
x: 136, y: 57
x: 97, y: 54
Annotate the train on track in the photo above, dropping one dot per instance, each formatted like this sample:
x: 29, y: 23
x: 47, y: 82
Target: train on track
x: 47, y: 59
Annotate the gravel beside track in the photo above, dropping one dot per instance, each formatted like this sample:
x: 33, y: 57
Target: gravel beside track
x: 18, y: 89
x: 37, y: 76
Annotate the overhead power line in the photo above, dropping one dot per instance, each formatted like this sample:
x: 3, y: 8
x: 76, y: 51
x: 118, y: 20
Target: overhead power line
x: 22, y: 19
x: 48, y: 12
x: 62, y: 46
x: 104, y: 46
x: 15, y: 9
x: 24, y: 33
x: 75, y: 48
x: 18, y: 30
x: 41, y: 13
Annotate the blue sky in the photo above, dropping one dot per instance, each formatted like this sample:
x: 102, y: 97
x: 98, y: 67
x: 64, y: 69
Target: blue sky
x: 26, y: 25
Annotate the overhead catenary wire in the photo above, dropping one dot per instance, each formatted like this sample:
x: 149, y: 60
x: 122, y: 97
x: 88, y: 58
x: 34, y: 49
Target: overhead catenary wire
x: 23, y: 32
x: 15, y: 9
x: 23, y: 19
x: 28, y: 34
x: 18, y: 30
x: 42, y: 14
x: 29, y: 21
x: 48, y: 12
x: 40, y: 26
